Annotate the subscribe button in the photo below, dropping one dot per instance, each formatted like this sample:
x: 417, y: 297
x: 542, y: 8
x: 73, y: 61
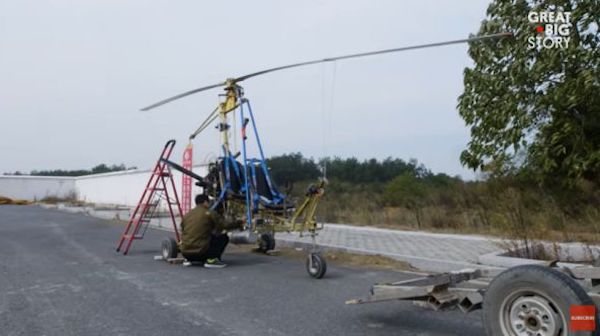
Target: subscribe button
x: 583, y: 318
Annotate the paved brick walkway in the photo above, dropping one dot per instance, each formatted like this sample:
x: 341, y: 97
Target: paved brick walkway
x: 427, y: 251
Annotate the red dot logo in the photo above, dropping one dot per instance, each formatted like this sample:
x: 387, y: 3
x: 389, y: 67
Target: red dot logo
x: 539, y: 29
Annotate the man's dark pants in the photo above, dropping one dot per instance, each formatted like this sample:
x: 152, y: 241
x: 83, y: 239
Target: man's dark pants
x: 215, y: 249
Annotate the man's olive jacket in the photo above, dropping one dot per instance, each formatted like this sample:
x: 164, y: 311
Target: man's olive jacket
x: 196, y: 229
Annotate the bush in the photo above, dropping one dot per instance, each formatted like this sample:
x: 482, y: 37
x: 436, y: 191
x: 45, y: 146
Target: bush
x: 395, y: 193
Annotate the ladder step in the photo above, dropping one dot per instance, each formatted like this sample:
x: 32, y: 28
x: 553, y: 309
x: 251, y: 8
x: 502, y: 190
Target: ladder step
x: 130, y: 237
x: 146, y: 206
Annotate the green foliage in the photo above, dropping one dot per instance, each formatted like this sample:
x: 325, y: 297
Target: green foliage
x: 346, y: 202
x: 401, y: 194
x: 101, y: 168
x: 407, y: 191
x: 294, y: 168
x: 17, y: 173
x: 290, y: 168
x: 535, y: 111
x: 371, y: 171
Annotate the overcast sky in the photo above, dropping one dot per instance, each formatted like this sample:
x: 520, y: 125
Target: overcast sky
x: 73, y: 75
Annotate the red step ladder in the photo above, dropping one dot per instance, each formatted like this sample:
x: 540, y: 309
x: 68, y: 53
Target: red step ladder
x: 160, y: 186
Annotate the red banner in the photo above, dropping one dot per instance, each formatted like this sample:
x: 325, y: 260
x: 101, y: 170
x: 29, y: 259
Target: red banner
x: 186, y: 181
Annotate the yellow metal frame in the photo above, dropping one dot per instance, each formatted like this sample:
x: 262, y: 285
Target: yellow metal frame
x: 302, y: 220
x: 227, y: 106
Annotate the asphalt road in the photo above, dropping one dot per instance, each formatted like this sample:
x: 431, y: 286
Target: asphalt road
x: 60, y: 275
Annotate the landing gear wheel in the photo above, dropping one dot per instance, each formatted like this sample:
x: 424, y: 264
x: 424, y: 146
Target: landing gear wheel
x: 169, y: 248
x: 266, y: 242
x: 532, y: 300
x: 316, y: 266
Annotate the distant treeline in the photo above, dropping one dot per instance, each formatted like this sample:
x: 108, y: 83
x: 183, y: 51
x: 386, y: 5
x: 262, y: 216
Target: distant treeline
x: 398, y: 193
x: 101, y: 168
x: 294, y: 168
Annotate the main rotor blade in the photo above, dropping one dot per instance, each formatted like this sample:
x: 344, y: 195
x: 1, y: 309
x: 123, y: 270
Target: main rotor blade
x: 377, y: 52
x: 181, y: 95
x: 330, y: 59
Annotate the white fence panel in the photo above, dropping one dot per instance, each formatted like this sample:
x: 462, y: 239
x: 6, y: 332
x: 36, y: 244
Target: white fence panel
x: 117, y: 188
x: 36, y: 187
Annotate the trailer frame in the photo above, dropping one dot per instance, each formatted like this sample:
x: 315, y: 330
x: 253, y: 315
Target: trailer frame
x: 466, y: 290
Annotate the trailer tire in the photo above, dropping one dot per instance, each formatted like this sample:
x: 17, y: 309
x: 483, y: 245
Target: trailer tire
x: 596, y: 282
x: 169, y: 248
x: 532, y: 300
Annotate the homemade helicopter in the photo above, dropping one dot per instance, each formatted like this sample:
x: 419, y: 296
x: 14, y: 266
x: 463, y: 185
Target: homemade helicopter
x: 243, y: 189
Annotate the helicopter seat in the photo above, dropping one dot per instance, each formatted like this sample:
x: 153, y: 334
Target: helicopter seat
x: 266, y: 193
x: 234, y: 174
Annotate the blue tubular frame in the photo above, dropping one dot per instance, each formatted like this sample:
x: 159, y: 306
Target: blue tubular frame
x: 263, y: 164
x: 247, y: 190
x: 255, y: 196
x: 221, y: 196
x: 249, y: 165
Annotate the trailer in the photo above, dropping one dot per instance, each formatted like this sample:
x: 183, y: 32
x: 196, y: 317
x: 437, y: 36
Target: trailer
x: 527, y: 300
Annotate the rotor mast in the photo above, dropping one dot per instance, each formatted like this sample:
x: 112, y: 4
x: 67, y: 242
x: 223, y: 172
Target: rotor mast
x: 233, y: 95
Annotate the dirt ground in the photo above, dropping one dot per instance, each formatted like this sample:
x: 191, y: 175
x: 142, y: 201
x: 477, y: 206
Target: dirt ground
x: 336, y: 257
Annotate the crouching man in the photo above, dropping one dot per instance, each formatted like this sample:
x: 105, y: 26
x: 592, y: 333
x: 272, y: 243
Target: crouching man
x: 203, y: 237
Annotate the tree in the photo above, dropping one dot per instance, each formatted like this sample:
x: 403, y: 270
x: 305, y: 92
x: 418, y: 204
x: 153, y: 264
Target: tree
x: 101, y: 168
x: 408, y: 191
x: 535, y: 110
x: 293, y: 167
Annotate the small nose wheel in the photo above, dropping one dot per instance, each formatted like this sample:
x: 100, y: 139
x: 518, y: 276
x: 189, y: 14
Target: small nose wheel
x: 316, y: 266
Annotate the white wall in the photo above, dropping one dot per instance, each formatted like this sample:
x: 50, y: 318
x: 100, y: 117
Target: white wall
x: 36, y: 187
x: 122, y: 188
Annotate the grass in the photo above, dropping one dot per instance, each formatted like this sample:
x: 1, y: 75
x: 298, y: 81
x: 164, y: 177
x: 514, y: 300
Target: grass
x: 505, y: 213
x: 339, y: 258
x: 70, y: 198
x: 10, y: 201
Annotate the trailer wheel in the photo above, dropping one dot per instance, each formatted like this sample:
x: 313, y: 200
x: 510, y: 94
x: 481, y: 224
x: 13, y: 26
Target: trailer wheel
x: 266, y: 242
x: 532, y: 300
x: 169, y: 248
x: 316, y: 266
x: 596, y: 282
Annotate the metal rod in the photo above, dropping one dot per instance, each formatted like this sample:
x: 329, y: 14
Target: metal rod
x: 211, y: 117
x: 262, y: 155
x: 244, y: 156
